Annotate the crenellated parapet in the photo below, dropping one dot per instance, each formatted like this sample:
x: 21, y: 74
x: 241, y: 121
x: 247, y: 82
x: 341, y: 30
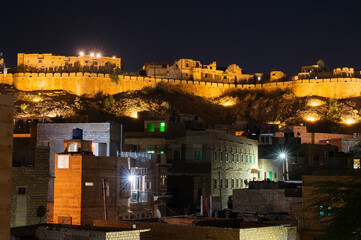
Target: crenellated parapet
x: 90, y: 84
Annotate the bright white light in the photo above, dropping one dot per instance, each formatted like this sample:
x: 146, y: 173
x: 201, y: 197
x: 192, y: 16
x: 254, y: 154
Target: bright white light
x: 98, y: 55
x: 81, y: 53
x: 282, y: 155
x: 113, y: 57
x: 92, y: 54
x: 131, y: 178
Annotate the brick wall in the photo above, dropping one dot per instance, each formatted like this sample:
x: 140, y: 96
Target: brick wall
x: 169, y: 231
x: 35, y: 181
x: 6, y: 140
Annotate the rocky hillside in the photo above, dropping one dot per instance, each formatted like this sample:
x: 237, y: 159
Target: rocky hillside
x: 319, y: 114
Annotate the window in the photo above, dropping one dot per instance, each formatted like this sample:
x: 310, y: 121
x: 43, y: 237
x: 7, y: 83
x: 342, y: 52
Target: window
x: 241, y: 182
x: 226, y: 156
x: 322, y: 211
x: 233, y: 157
x: 270, y: 175
x: 237, y: 158
x: 163, y: 180
x: 220, y: 183
x: 356, y: 163
x: 232, y: 183
x: 237, y: 183
x: 275, y: 174
x: 176, y: 154
x: 220, y: 156
x: 215, y: 155
x: 226, y: 182
x: 162, y: 127
x: 215, y: 183
x: 197, y: 155
x: 40, y: 61
x: 265, y: 175
x: 150, y: 127
x: 63, y: 161
x: 21, y: 190
x: 246, y: 158
x: 89, y: 184
x: 241, y: 158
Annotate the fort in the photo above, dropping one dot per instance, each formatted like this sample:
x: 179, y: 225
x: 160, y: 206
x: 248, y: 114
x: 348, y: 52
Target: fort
x: 89, y: 84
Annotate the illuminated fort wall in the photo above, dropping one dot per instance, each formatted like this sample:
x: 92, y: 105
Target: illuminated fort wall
x: 90, y: 84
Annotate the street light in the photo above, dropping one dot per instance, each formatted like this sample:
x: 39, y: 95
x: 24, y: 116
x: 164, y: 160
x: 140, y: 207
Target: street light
x: 283, y: 156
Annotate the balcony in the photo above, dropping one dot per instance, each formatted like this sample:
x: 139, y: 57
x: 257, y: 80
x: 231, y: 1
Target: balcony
x: 138, y: 196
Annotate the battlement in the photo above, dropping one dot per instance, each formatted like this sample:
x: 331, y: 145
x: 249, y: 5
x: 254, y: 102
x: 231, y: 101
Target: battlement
x: 90, y: 84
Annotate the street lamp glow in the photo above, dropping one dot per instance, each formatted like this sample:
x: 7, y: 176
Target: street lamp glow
x: 92, y: 54
x: 113, y: 57
x: 131, y: 178
x: 283, y: 155
x: 98, y: 55
x: 81, y: 53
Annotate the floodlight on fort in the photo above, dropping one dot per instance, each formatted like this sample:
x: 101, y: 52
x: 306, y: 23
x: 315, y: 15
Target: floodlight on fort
x: 113, y: 57
x: 81, y: 53
x: 131, y: 178
x: 98, y: 55
x: 92, y: 54
x: 350, y: 121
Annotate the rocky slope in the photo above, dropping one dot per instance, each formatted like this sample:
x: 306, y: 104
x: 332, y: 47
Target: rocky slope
x: 319, y: 114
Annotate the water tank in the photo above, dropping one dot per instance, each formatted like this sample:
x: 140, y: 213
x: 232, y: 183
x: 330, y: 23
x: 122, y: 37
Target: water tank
x: 78, y: 133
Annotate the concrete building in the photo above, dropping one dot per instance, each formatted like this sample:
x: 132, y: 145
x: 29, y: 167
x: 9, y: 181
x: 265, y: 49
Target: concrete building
x: 88, y: 187
x: 30, y: 178
x: 6, y: 143
x: 106, y: 136
x: 47, y: 62
x: 269, y: 197
x: 156, y: 69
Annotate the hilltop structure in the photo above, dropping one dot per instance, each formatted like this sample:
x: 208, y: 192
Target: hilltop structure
x: 48, y: 62
x: 98, y: 75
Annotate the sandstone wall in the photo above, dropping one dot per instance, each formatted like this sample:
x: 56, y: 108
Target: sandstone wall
x: 90, y: 84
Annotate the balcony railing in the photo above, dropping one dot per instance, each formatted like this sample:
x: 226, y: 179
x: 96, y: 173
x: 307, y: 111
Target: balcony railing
x: 138, y: 196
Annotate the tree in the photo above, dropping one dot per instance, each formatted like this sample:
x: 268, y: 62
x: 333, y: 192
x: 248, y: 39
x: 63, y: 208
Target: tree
x: 339, y: 203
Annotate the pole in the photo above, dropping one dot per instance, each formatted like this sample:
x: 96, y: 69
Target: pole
x: 287, y: 169
x: 105, y: 200
x: 220, y: 190
x: 283, y: 167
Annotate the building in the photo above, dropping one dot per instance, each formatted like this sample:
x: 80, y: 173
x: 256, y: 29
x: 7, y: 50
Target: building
x: 268, y: 197
x: 47, y: 62
x: 313, y: 219
x: 195, y: 228
x: 106, y: 139
x: 88, y: 187
x: 194, y: 70
x: 30, y: 179
x: 6, y: 143
x: 2, y: 64
x: 156, y: 69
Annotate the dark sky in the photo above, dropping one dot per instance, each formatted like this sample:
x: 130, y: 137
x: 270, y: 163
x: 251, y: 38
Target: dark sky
x: 257, y: 35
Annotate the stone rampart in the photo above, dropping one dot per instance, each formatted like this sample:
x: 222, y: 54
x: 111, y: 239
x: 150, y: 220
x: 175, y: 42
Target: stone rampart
x: 90, y: 84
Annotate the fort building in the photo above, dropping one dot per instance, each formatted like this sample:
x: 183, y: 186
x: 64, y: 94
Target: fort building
x: 48, y: 62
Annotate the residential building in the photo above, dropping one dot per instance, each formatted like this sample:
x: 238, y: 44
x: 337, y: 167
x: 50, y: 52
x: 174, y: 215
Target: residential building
x: 106, y: 139
x: 30, y: 178
x: 88, y: 187
x: 47, y: 62
x: 6, y: 144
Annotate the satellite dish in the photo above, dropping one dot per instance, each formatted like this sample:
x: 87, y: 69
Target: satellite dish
x: 40, y: 211
x: 159, y: 215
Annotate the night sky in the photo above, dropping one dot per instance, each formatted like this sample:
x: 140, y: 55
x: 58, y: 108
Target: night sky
x: 257, y: 35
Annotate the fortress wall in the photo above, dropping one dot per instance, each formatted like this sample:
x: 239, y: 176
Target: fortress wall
x: 92, y: 84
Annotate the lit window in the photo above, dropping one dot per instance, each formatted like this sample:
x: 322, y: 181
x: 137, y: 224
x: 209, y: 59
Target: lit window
x: 197, y: 155
x: 89, y: 184
x: 246, y: 158
x: 322, y: 211
x: 150, y: 151
x: 162, y: 127
x: 150, y: 127
x: 356, y: 163
x: 63, y: 161
x: 161, y: 152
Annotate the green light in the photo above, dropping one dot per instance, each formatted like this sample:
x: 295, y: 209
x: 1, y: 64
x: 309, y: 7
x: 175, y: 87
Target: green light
x: 161, y: 152
x: 150, y: 127
x: 162, y: 127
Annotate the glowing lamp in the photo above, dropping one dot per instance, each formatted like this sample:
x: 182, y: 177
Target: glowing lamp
x: 350, y: 121
x: 283, y: 155
x: 134, y: 115
x: 113, y: 57
x: 98, y: 55
x: 92, y: 54
x: 81, y: 53
x: 131, y: 178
